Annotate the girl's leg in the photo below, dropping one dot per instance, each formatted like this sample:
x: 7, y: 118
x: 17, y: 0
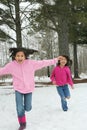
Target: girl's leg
x: 63, y: 99
x: 28, y: 101
x: 20, y: 109
x: 66, y: 91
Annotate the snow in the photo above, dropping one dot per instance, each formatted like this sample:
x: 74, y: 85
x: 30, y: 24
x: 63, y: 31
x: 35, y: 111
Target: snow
x: 5, y: 28
x: 83, y: 76
x: 46, y: 113
x: 2, y: 6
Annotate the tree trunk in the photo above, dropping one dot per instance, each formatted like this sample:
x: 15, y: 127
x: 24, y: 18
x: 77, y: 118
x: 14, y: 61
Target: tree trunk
x: 75, y: 61
x: 18, y: 24
x: 63, y: 36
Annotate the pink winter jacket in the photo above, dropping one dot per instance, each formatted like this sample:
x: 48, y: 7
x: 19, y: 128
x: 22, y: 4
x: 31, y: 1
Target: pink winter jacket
x: 23, y: 74
x: 61, y: 76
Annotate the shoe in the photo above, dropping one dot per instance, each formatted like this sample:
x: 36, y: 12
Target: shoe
x: 65, y: 110
x: 22, y: 126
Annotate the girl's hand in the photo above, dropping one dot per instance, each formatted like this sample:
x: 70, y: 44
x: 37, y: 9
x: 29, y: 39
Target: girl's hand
x: 59, y: 57
x: 54, y: 82
x: 72, y: 87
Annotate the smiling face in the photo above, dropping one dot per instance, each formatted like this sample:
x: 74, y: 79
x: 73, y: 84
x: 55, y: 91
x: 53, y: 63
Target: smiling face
x: 20, y: 57
x: 63, y: 61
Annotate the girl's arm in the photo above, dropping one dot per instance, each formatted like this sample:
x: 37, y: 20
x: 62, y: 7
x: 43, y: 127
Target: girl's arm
x: 69, y: 78
x: 52, y: 77
x: 5, y: 70
x: 43, y: 63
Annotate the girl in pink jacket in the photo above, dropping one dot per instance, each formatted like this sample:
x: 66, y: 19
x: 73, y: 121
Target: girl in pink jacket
x: 22, y: 70
x: 61, y: 77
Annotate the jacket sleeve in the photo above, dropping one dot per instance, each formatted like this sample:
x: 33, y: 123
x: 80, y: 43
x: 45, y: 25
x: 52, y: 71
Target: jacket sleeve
x: 69, y: 77
x: 43, y: 63
x: 5, y: 70
x: 52, y: 77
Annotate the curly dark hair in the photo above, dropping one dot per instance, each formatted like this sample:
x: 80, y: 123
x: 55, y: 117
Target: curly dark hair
x: 69, y: 61
x: 26, y: 51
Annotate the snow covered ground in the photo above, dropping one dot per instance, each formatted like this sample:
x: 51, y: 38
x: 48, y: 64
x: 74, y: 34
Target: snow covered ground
x: 46, y: 113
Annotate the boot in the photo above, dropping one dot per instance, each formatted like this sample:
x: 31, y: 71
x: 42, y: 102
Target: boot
x: 22, y: 122
x: 22, y: 126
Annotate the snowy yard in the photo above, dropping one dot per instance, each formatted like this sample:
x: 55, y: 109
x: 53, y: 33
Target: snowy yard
x: 46, y: 113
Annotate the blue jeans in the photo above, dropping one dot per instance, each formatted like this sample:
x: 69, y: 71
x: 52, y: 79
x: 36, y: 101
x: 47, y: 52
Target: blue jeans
x: 23, y: 103
x: 64, y: 93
